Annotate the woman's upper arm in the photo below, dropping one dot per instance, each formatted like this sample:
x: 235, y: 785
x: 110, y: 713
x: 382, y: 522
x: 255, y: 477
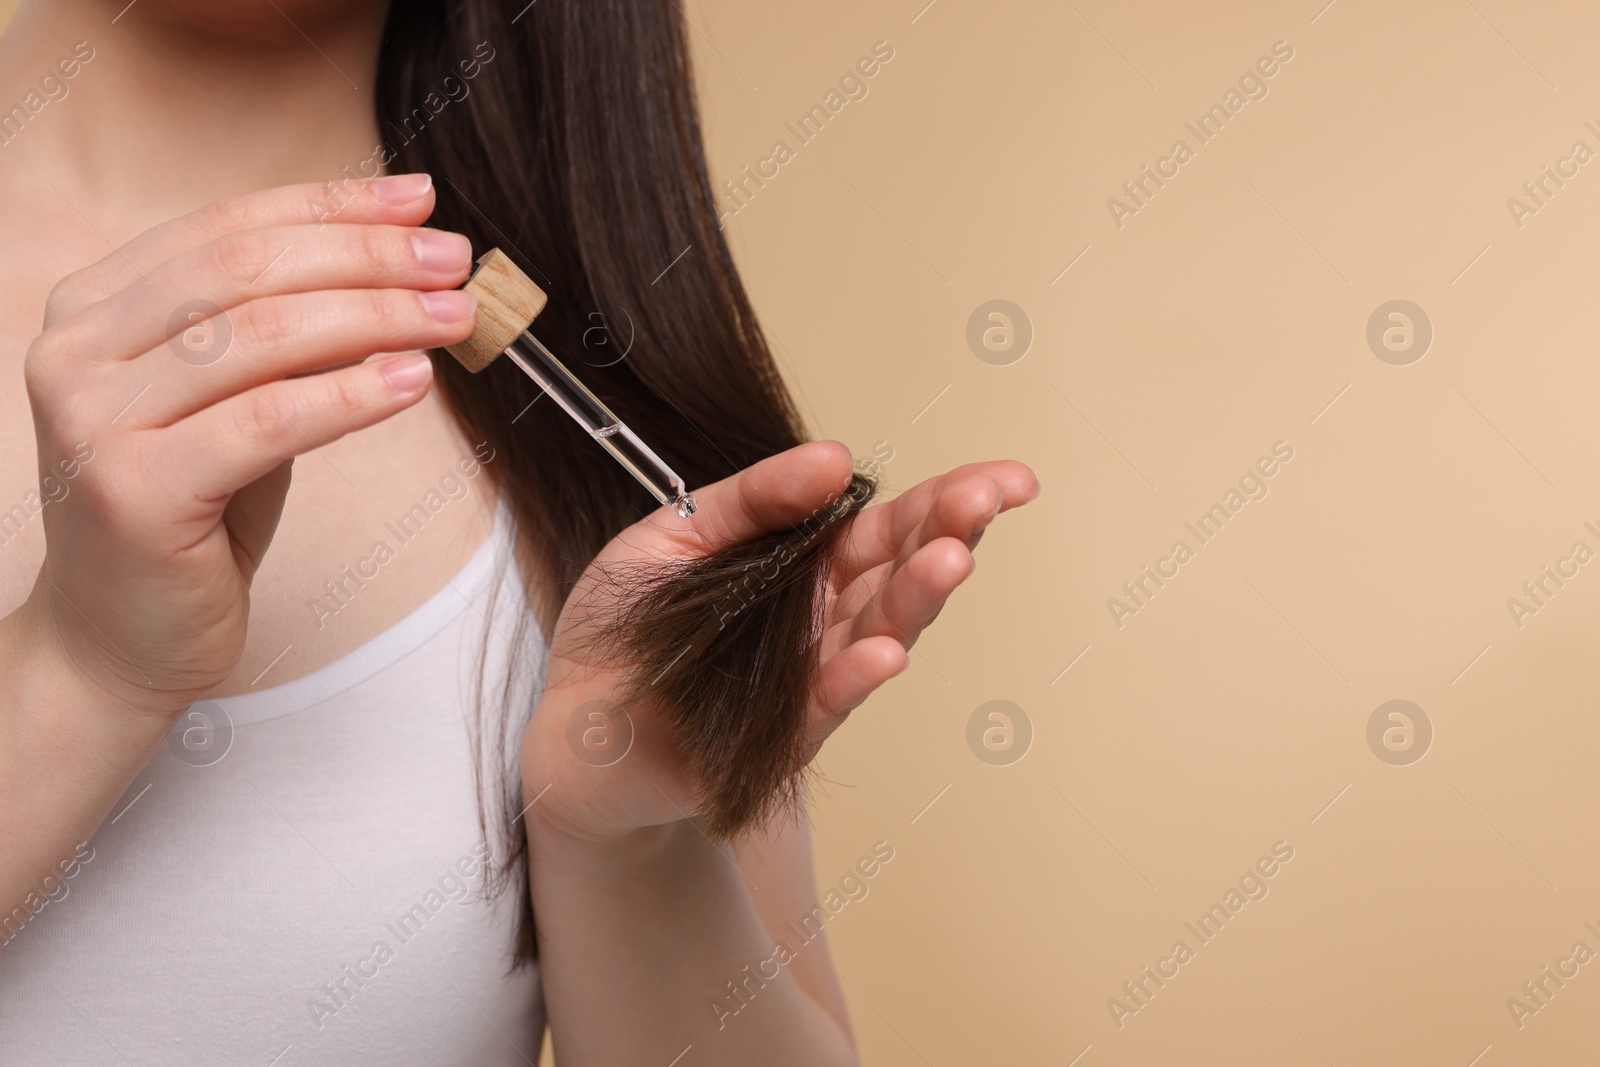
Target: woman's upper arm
x: 777, y: 860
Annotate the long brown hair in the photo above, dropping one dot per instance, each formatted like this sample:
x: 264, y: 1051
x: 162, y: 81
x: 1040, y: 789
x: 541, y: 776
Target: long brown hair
x: 576, y: 149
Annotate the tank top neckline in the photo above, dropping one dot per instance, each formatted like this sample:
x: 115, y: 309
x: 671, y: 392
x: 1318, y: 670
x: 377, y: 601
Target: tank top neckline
x: 386, y: 648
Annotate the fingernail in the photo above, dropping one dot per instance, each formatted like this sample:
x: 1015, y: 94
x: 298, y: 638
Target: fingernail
x: 407, y: 374
x: 402, y: 188
x: 448, y: 305
x: 1038, y: 487
x: 442, y: 250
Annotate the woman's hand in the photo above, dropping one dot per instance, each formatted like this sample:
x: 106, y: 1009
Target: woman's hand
x: 182, y: 367
x: 891, y: 575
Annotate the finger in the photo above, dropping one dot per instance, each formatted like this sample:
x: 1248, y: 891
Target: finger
x: 231, y: 444
x: 849, y: 678
x: 880, y: 532
x: 276, y: 261
x: 912, y: 597
x: 402, y: 200
x: 962, y: 508
x: 286, y: 335
x: 774, y: 494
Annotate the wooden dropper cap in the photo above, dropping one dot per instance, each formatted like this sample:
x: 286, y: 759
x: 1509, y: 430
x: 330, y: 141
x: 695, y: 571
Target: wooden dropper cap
x: 508, y: 302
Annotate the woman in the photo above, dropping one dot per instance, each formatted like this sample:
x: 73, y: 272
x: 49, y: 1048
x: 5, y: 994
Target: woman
x: 250, y: 801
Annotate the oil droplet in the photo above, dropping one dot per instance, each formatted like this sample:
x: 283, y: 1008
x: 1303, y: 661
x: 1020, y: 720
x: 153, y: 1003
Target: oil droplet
x: 686, y: 505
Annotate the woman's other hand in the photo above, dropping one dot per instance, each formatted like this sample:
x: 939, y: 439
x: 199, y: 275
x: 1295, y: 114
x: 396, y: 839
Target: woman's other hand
x: 890, y: 576
x: 176, y: 380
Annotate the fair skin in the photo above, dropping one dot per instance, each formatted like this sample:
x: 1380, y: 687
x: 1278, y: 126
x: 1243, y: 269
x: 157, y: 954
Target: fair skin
x: 151, y: 585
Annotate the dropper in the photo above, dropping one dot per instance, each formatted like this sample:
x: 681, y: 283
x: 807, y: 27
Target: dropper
x: 508, y: 302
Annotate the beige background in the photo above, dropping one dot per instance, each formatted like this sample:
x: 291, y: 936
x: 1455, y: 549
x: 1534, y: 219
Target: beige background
x: 1223, y: 317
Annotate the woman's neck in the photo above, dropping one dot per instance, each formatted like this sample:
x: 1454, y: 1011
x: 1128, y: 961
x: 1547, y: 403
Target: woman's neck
x: 166, y: 115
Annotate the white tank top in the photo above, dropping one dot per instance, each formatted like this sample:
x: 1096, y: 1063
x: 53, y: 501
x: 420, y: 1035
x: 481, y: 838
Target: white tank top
x: 308, y: 890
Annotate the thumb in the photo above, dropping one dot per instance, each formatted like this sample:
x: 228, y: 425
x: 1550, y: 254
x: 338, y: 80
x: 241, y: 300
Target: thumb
x: 252, y: 515
x: 774, y: 494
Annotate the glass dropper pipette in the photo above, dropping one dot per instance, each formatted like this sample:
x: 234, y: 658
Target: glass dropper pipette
x: 508, y: 302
